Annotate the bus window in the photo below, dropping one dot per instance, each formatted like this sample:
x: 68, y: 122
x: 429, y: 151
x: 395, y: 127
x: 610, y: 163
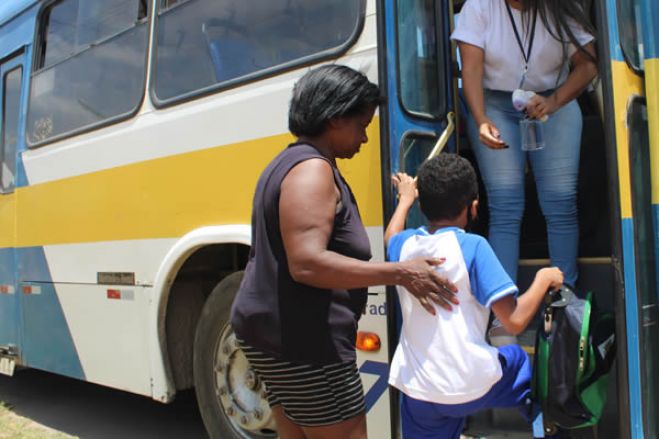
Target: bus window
x: 630, y: 31
x: 202, y: 43
x: 418, y: 63
x: 90, y: 67
x: 414, y: 148
x: 11, y: 92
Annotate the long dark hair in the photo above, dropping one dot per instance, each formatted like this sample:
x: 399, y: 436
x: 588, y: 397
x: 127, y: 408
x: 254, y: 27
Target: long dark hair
x: 555, y: 15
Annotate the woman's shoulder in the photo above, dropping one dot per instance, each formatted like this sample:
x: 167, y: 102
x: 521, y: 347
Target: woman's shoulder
x: 301, y: 148
x: 484, y: 7
x: 303, y: 160
x: 298, y: 152
x: 473, y: 19
x: 291, y: 157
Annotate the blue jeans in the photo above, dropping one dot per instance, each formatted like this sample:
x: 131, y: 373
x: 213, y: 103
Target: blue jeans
x: 555, y: 168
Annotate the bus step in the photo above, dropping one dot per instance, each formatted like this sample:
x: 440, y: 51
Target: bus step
x: 497, y: 424
x: 500, y: 435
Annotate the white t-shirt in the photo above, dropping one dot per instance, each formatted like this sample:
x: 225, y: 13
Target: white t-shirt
x: 486, y: 24
x: 445, y: 358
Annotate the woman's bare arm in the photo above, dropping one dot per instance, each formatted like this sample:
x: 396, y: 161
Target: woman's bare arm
x: 582, y: 73
x: 473, y: 59
x: 307, y: 206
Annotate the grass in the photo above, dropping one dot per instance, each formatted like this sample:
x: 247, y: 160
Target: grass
x: 13, y: 426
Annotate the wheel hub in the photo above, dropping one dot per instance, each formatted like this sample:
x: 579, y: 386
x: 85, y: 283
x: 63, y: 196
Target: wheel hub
x: 240, y: 392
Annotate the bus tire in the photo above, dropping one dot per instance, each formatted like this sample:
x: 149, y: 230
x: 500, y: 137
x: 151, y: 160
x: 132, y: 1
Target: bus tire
x: 230, y: 397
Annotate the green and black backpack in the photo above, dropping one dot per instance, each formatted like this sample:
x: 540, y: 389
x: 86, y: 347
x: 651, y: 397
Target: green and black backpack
x: 575, y: 349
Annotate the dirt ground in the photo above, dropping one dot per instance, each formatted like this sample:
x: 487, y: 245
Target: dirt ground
x: 13, y: 426
x: 40, y: 405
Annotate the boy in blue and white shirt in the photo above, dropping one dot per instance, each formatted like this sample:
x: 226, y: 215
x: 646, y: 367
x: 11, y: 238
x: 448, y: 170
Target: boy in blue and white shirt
x: 443, y: 365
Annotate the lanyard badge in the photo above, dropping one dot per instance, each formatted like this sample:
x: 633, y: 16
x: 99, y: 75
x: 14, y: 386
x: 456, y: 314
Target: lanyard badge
x: 520, y: 96
x: 526, y: 55
x: 531, y: 131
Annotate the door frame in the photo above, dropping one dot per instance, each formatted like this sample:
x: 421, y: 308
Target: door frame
x: 10, y: 328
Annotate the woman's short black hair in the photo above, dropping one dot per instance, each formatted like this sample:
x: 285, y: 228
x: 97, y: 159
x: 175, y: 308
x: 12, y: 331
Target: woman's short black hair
x: 328, y: 92
x: 447, y: 184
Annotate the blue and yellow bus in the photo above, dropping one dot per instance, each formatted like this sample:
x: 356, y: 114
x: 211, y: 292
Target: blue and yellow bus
x: 132, y: 133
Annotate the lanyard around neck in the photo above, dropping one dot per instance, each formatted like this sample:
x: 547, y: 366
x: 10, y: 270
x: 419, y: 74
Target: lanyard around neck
x: 526, y: 55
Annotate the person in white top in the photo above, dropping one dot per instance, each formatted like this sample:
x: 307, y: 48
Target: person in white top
x: 443, y: 364
x: 540, y: 46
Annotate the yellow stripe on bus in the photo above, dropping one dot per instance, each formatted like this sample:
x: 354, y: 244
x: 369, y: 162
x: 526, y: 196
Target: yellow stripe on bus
x: 170, y: 196
x: 625, y: 85
x: 652, y: 96
x: 7, y: 209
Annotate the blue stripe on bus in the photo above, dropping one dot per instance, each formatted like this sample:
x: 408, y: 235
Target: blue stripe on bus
x: 17, y: 33
x: 9, y: 9
x: 649, y: 14
x: 46, y: 342
x: 9, y: 312
x: 632, y: 323
x: 6, y: 266
x: 381, y: 370
x: 14, y: 36
x: 614, y: 35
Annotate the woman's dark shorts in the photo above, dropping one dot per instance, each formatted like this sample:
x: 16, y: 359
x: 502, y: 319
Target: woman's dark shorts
x: 310, y: 395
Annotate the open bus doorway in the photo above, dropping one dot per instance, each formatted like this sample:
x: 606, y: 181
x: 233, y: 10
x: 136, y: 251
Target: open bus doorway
x: 595, y: 250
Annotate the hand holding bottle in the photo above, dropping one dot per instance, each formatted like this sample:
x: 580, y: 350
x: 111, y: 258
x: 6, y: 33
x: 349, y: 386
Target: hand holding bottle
x: 534, y: 105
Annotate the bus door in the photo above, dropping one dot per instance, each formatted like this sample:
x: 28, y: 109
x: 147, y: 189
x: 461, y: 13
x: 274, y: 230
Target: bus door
x: 418, y: 82
x: 11, y: 116
x: 415, y: 70
x: 635, y: 74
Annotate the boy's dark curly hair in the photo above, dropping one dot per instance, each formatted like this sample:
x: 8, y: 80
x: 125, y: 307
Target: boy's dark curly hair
x: 447, y: 184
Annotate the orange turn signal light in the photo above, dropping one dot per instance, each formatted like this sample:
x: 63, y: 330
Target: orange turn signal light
x: 368, y: 341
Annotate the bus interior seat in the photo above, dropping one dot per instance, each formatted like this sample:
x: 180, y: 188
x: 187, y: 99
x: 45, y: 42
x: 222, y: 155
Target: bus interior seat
x: 231, y: 55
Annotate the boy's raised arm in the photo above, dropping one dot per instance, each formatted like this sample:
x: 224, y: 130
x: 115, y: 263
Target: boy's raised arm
x: 516, y: 314
x: 407, y: 194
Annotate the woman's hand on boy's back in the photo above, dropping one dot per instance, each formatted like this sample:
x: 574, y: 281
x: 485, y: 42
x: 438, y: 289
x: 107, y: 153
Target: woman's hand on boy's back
x: 423, y: 282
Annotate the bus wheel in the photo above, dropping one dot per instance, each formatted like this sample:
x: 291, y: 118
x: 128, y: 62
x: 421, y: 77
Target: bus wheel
x: 231, y: 398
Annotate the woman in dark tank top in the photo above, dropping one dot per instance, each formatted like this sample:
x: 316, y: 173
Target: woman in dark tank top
x: 306, y: 280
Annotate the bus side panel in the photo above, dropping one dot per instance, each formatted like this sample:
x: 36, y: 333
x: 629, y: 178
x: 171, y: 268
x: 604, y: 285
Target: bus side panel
x: 15, y: 52
x: 47, y: 340
x: 9, y: 312
x: 82, y: 329
x: 374, y: 366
